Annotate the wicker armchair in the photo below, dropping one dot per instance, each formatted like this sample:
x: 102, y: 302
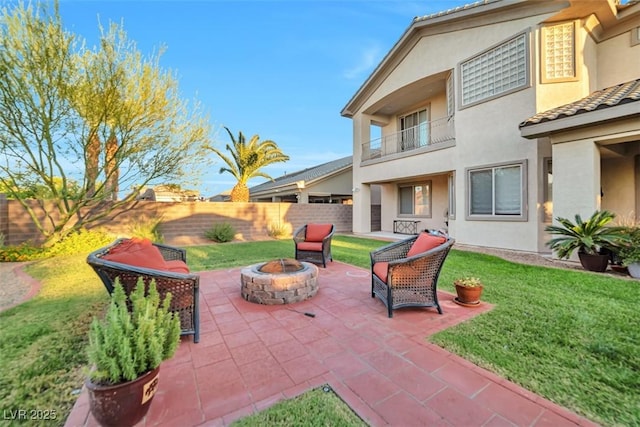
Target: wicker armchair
x: 183, y: 286
x: 400, y: 277
x: 313, y: 243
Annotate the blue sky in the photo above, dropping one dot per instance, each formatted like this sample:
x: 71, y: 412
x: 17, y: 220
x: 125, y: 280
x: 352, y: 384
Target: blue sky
x: 280, y: 69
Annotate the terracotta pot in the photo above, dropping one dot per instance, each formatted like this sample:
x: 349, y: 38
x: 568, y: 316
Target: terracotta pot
x: 468, y: 295
x: 122, y: 404
x: 591, y: 262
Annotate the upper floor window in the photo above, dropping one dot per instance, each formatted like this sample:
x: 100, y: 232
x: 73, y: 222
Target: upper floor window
x: 414, y: 129
x: 496, y: 71
x: 497, y: 191
x: 558, y: 52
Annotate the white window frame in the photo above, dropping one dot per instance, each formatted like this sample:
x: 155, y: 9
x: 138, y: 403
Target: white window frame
x: 488, y: 60
x: 557, y: 49
x: 429, y: 205
x: 451, y: 184
x: 635, y: 36
x: 451, y: 103
x: 522, y: 216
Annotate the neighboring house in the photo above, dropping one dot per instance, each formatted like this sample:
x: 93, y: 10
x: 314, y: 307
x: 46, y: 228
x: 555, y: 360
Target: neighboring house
x: 500, y: 115
x: 329, y: 182
x: 163, y: 193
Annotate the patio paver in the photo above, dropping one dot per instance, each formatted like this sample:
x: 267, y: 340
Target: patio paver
x: 250, y: 356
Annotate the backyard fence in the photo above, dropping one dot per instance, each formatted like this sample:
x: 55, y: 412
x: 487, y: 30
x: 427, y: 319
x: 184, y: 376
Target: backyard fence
x: 184, y: 223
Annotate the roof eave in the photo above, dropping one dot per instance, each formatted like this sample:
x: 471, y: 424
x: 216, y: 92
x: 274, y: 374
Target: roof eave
x: 581, y: 120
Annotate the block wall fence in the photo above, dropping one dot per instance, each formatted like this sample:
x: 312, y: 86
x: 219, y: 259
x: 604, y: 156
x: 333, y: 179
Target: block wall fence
x: 185, y: 223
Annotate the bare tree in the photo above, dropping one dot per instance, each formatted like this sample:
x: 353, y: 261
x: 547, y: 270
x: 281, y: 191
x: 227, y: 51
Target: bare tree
x: 87, y: 123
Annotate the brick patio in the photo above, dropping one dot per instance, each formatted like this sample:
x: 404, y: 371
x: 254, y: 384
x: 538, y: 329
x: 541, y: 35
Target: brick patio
x: 251, y: 356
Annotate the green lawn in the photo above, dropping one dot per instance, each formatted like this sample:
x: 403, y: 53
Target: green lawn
x: 570, y: 336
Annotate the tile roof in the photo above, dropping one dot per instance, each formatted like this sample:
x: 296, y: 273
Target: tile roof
x: 307, y: 175
x: 623, y: 93
x: 454, y: 10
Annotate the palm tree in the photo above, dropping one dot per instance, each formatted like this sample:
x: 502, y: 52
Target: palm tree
x: 247, y: 160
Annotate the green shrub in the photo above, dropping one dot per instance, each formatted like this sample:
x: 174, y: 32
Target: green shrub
x: 221, y: 232
x: 277, y: 230
x: 147, y: 229
x: 83, y: 241
x: 20, y: 253
x: 126, y: 344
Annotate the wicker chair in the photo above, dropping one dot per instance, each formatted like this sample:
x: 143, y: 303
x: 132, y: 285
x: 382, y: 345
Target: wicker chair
x: 403, y: 279
x: 183, y: 286
x: 313, y: 243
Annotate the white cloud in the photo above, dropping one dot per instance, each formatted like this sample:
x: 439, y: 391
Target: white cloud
x: 367, y: 60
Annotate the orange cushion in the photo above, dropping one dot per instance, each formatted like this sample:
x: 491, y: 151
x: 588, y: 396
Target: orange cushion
x: 177, y: 266
x: 381, y: 269
x: 425, y: 242
x: 137, y: 253
x: 310, y: 246
x: 317, y: 232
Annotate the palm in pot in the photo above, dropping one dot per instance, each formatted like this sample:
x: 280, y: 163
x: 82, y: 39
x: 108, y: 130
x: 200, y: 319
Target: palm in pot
x: 587, y: 237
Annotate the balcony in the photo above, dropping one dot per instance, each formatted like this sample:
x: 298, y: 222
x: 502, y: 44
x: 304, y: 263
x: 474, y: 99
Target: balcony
x: 426, y: 135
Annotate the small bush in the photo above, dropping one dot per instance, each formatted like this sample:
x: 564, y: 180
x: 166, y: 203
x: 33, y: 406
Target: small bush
x: 277, y: 230
x: 84, y: 241
x: 20, y: 253
x: 147, y: 229
x: 222, y: 232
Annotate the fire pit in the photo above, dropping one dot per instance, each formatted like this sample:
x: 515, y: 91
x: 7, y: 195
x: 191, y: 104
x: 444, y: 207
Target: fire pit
x: 280, y: 281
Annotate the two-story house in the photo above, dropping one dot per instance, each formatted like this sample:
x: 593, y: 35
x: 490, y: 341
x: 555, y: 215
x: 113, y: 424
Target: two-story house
x: 493, y: 118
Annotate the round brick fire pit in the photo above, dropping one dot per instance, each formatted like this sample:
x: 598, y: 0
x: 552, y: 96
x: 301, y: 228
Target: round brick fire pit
x: 281, y: 281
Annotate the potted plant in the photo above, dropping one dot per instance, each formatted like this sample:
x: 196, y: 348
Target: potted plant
x: 588, y: 237
x: 469, y: 290
x: 629, y: 253
x: 126, y: 349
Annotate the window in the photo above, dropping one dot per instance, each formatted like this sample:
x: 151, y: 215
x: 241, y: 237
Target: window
x: 497, y: 191
x: 497, y: 71
x: 415, y: 199
x: 414, y: 129
x: 558, y: 52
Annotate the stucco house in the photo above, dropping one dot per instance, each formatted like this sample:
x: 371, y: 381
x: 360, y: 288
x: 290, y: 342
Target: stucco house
x: 494, y: 118
x: 329, y: 182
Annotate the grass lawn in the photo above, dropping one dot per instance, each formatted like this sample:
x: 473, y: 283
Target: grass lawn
x: 319, y: 407
x: 570, y: 336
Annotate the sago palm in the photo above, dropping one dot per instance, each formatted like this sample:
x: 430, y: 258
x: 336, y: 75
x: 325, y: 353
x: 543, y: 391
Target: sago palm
x: 586, y: 236
x: 246, y: 161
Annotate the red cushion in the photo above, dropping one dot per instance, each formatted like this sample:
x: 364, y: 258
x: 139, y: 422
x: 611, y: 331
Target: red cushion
x: 137, y: 253
x: 381, y: 269
x: 310, y: 246
x: 425, y: 242
x: 177, y: 266
x: 317, y: 232
x: 132, y: 244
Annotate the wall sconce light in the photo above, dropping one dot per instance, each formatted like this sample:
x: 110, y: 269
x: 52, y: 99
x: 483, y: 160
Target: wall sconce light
x: 355, y: 189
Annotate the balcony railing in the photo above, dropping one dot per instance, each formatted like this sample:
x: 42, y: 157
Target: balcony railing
x: 427, y: 134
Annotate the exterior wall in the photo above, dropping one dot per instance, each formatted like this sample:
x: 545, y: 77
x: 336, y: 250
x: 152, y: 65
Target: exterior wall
x: 618, y: 178
x: 185, y: 223
x: 337, y: 184
x: 618, y: 60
